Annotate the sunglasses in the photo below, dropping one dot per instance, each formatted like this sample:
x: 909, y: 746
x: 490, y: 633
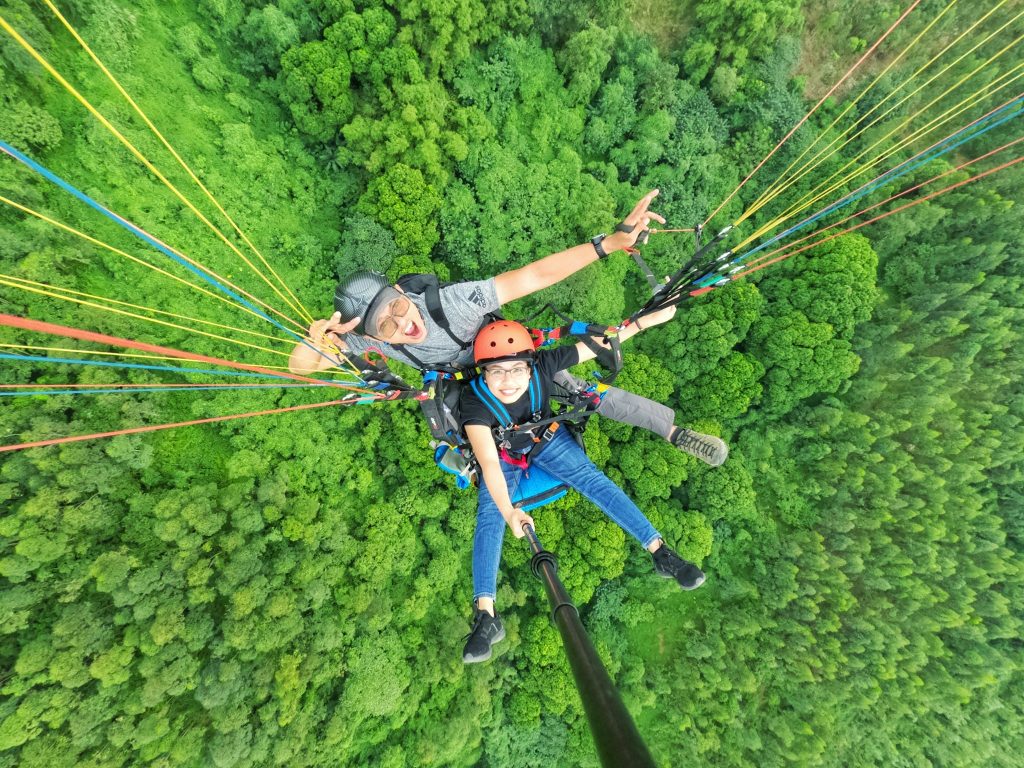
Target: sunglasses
x: 387, y: 325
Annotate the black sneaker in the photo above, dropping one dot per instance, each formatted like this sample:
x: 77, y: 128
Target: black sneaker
x: 669, y: 565
x: 708, y: 448
x: 487, y: 630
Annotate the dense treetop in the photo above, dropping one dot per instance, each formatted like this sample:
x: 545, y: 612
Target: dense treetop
x: 294, y: 589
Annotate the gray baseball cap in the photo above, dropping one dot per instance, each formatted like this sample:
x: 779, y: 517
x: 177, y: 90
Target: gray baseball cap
x: 364, y: 295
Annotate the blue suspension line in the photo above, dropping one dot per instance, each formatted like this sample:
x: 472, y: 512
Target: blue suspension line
x: 52, y: 177
x: 925, y: 156
x: 27, y: 393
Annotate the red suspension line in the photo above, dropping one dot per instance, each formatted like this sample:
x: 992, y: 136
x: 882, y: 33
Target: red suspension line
x: 154, y: 427
x: 883, y: 202
x: 870, y: 221
x: 814, y: 108
x: 38, y: 326
x: 121, y: 385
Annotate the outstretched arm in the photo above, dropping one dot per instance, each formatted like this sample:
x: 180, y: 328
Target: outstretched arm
x: 558, y: 266
x: 642, y: 324
x: 487, y: 457
x: 305, y: 357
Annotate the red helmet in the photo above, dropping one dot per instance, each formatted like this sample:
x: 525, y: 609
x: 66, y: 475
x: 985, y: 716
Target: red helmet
x: 502, y: 340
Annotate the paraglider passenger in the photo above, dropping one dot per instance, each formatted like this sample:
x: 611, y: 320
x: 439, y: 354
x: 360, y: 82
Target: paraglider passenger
x: 426, y: 325
x: 515, y: 381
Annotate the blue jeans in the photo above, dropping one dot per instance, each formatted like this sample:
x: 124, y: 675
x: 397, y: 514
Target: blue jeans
x: 564, y: 460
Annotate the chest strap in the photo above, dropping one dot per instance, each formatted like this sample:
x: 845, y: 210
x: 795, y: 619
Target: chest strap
x: 506, y: 427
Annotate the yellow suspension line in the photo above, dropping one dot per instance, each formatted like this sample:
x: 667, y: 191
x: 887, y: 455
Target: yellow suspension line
x: 142, y: 158
x: 143, y: 308
x: 944, y: 117
x: 229, y: 302
x: 931, y: 126
x: 138, y: 355
x: 777, y: 187
x: 37, y: 389
x: 815, y: 162
x: 128, y: 256
x: 298, y: 306
x: 17, y: 282
x: 27, y: 285
x: 173, y: 250
x: 988, y: 90
x: 823, y: 230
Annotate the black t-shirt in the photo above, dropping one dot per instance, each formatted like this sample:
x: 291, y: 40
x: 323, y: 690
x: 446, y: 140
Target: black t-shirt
x: 548, y: 363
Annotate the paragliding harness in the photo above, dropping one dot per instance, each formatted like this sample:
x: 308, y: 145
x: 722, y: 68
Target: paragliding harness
x: 440, y: 401
x: 452, y: 452
x: 517, y: 444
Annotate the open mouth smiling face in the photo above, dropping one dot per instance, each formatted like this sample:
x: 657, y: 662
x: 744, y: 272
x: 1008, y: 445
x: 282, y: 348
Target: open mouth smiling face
x: 507, y: 381
x: 413, y: 331
x: 401, y: 323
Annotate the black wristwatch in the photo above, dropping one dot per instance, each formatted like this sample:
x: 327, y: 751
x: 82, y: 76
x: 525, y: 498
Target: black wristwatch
x: 596, y: 242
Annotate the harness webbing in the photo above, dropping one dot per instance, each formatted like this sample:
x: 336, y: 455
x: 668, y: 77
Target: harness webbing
x: 610, y: 357
x: 535, y: 391
x: 497, y: 408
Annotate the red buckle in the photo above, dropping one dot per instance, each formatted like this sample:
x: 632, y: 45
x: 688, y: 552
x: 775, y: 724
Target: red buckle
x: 519, y: 462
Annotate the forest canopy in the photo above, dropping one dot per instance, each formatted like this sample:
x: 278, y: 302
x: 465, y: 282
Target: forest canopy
x: 293, y: 589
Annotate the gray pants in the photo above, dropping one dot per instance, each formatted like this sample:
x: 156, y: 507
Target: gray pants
x: 625, y: 407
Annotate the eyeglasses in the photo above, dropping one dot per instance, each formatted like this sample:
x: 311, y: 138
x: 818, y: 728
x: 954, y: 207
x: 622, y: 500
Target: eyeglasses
x: 515, y: 372
x: 387, y: 325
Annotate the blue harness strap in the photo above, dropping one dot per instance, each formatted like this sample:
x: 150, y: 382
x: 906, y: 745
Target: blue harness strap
x: 535, y: 393
x: 497, y: 408
x: 535, y: 487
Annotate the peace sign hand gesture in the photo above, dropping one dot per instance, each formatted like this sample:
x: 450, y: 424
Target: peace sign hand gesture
x: 635, y: 226
x: 322, y: 332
